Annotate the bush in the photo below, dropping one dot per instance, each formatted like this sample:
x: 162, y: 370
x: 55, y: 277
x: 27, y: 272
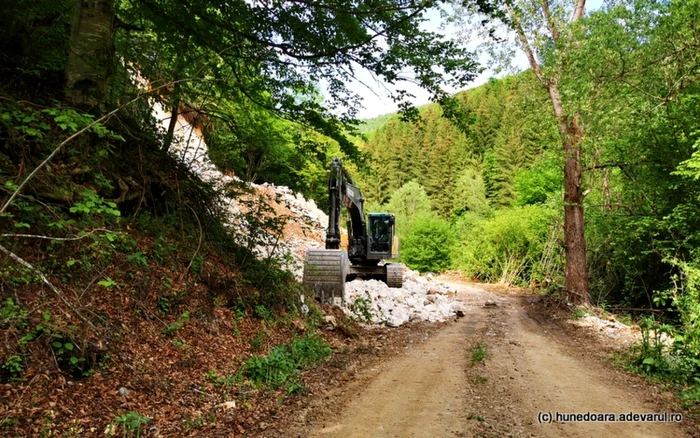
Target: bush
x: 427, y: 246
x: 470, y: 193
x: 540, y: 182
x: 515, y: 246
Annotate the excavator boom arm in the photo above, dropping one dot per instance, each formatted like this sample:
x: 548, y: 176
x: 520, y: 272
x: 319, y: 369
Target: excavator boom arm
x: 343, y: 191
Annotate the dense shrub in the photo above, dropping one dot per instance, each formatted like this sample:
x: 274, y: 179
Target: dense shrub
x: 678, y: 363
x: 514, y: 246
x: 540, y: 182
x: 427, y: 246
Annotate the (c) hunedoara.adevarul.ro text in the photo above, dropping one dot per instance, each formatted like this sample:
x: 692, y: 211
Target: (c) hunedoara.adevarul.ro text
x: 609, y: 417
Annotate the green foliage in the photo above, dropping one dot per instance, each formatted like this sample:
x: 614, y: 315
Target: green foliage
x: 107, y: 283
x: 479, y: 354
x: 138, y: 259
x: 25, y: 121
x: 281, y: 366
x: 579, y: 313
x: 163, y: 304
x: 428, y: 245
x: 68, y: 355
x: 541, y: 182
x: 177, y: 325
x: 629, y: 77
x: 18, y: 275
x: 274, y: 370
x: 8, y: 423
x: 362, y: 308
x: 470, y: 193
x: 476, y: 417
x: 308, y: 351
x: 677, y: 361
x: 654, y: 357
x: 406, y: 203
x: 13, y: 368
x: 131, y: 425
x: 262, y: 312
x: 70, y: 120
x: 12, y: 315
x: 515, y: 246
x: 61, y: 340
x: 690, y: 168
x: 92, y: 204
x: 32, y: 123
x: 472, y: 169
x: 254, y: 89
x: 257, y: 341
x: 179, y: 343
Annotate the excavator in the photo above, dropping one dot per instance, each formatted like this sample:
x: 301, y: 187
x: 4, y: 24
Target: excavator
x: 370, y: 240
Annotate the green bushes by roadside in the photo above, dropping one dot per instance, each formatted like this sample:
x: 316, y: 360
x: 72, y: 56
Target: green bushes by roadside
x: 514, y: 246
x: 427, y: 246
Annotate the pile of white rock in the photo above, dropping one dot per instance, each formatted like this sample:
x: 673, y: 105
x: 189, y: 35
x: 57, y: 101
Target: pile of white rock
x: 420, y: 299
x: 309, y: 221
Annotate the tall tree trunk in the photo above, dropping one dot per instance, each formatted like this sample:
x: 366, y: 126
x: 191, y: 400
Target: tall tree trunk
x: 576, y: 283
x: 91, y: 50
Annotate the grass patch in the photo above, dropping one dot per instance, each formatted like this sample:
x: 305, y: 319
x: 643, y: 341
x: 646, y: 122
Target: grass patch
x: 578, y: 313
x: 480, y: 379
x: 476, y: 417
x: 281, y: 367
x: 675, y: 362
x: 479, y: 354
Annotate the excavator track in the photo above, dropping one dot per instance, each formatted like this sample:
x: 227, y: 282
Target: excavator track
x: 324, y: 273
x: 394, y: 274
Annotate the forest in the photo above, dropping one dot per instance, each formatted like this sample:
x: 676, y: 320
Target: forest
x: 575, y: 174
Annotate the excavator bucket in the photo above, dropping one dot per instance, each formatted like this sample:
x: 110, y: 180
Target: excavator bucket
x: 324, y: 273
x: 394, y: 275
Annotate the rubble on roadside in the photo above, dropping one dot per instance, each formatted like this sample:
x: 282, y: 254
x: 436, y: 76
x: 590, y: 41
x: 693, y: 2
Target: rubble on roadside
x: 420, y: 299
x: 612, y: 329
x: 305, y: 222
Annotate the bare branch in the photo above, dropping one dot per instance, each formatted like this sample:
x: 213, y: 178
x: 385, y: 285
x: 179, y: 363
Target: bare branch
x: 605, y: 166
x: 550, y: 21
x: 579, y: 10
x: 199, y: 244
x: 46, y: 281
x: 526, y: 46
x: 86, y: 128
x: 36, y: 236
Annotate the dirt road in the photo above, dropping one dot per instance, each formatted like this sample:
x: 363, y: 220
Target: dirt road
x: 440, y: 388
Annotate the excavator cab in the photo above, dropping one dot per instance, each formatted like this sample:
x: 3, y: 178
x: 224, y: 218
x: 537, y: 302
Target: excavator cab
x: 381, y: 236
